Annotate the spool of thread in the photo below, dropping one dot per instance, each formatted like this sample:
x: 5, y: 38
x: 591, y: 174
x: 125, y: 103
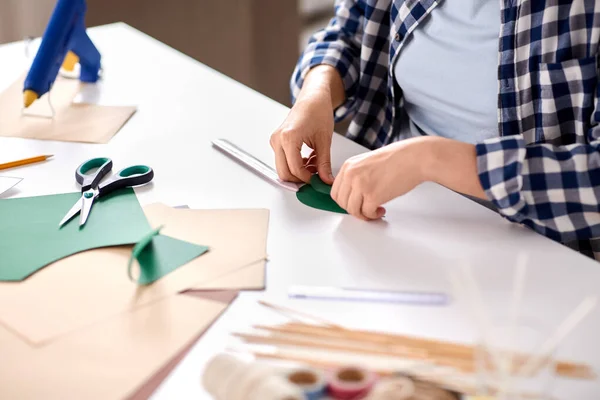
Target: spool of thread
x: 351, y: 383
x: 254, y: 374
x: 311, y: 381
x: 396, y: 388
x: 219, y: 372
x: 275, y: 387
x: 230, y: 378
x: 406, y: 388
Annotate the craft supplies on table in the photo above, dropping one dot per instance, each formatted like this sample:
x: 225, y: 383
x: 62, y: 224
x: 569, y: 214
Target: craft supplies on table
x: 25, y: 161
x: 80, y: 317
x: 453, y: 368
x: 253, y: 163
x: 364, y: 295
x: 347, y: 383
x: 65, y: 42
x: 56, y: 117
x: 30, y: 238
x: 230, y: 377
x: 311, y: 381
x: 92, y: 187
x: 315, y: 194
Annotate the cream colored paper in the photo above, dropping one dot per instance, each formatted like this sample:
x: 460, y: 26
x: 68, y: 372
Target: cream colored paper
x: 89, y: 123
x: 250, y: 277
x: 108, y: 360
x: 88, y: 287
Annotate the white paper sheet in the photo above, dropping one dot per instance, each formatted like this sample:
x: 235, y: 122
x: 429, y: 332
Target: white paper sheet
x: 8, y: 182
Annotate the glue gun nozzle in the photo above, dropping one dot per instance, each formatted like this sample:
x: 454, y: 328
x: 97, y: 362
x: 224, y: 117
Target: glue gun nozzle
x: 29, y: 96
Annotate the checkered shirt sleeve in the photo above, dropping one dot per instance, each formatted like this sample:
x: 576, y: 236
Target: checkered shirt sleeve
x: 553, y: 188
x: 337, y: 45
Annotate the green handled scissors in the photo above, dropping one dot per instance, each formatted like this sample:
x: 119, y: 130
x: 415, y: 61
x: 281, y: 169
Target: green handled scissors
x: 91, y: 188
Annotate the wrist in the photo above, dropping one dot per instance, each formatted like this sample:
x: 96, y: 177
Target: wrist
x: 324, y: 81
x: 432, y: 158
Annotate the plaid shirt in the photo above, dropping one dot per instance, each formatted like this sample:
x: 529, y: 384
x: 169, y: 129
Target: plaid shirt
x: 543, y: 169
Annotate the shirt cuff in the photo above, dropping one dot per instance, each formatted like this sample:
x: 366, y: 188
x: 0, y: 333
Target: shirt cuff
x: 500, y: 168
x: 346, y: 70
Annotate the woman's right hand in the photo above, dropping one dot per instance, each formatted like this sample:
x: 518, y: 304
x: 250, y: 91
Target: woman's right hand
x: 310, y: 121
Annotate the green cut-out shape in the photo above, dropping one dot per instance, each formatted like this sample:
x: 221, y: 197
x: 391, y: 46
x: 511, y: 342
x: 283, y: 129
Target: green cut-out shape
x: 30, y: 237
x: 319, y: 185
x: 309, y: 196
x: 159, y: 255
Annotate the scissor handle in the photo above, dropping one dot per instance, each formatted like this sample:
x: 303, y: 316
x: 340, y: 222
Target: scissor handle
x: 89, y: 181
x: 131, y: 176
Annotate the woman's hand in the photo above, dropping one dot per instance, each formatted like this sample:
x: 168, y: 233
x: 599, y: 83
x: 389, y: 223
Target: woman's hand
x: 370, y: 180
x: 310, y: 121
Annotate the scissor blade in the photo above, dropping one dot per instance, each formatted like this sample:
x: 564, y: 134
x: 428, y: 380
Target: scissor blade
x: 86, y: 206
x: 72, y: 212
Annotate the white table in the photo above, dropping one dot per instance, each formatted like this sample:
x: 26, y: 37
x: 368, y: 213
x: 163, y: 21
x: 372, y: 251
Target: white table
x: 183, y: 105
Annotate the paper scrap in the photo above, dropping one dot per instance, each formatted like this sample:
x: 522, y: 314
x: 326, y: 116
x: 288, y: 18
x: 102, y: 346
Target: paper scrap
x: 87, y: 288
x: 160, y: 255
x: 106, y: 361
x: 7, y: 183
x: 72, y: 122
x: 30, y: 237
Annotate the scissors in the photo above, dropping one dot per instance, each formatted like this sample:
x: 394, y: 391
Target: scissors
x: 91, y: 188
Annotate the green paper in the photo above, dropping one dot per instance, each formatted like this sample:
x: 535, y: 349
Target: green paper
x: 309, y: 196
x: 30, y: 237
x: 137, y: 249
x: 319, y: 185
x: 159, y: 254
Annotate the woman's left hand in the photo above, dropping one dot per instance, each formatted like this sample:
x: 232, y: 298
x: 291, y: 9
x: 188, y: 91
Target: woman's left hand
x: 369, y: 180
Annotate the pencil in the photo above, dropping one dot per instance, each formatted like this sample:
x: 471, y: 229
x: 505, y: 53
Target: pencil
x: 25, y: 161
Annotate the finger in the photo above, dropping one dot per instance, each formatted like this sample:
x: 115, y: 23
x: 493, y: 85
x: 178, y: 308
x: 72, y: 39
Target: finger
x: 343, y: 194
x: 323, y: 153
x: 335, y: 188
x: 355, y: 204
x: 281, y: 165
x: 372, y: 211
x: 294, y: 161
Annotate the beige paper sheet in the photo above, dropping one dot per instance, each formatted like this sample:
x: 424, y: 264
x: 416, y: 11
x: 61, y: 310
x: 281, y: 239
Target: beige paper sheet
x: 88, y: 123
x: 250, y: 277
x: 106, y: 361
x: 88, y: 287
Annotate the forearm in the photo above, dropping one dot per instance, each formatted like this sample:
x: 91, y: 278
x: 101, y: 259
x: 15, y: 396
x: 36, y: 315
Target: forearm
x: 452, y: 164
x: 323, y: 80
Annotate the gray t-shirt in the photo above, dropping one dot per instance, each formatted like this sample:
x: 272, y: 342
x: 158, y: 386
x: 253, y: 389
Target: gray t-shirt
x: 448, y: 72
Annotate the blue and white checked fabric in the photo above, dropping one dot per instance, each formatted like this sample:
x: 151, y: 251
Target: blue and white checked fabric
x: 543, y: 169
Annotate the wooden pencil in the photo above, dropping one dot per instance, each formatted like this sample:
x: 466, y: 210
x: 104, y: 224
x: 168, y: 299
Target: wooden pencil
x: 25, y: 161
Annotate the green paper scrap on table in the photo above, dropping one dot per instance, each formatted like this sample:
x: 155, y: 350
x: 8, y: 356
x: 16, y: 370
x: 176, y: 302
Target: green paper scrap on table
x: 317, y: 194
x: 159, y: 254
x: 30, y: 237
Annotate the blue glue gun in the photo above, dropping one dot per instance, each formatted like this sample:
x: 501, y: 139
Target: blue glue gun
x: 65, y: 43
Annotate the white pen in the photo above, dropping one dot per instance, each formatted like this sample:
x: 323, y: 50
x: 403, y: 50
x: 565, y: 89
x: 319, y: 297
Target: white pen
x: 254, y: 164
x: 379, y: 296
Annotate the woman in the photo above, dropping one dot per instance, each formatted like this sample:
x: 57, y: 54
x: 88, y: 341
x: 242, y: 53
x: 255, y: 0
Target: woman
x: 495, y: 99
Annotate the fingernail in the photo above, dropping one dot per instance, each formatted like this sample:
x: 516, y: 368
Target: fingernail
x: 330, y: 176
